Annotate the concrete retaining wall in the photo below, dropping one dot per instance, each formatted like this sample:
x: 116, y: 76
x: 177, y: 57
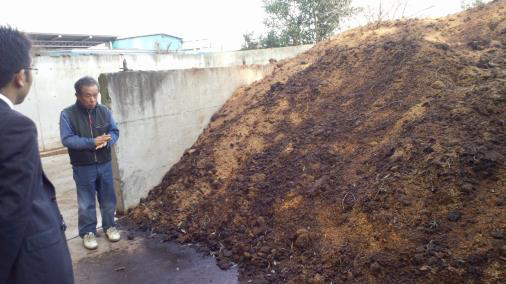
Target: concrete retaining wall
x: 52, y: 88
x: 160, y: 115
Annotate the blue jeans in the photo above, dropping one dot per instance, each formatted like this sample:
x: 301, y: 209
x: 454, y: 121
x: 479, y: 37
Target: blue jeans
x: 94, y: 180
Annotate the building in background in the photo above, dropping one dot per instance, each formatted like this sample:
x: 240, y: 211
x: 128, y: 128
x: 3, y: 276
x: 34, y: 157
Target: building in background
x: 198, y: 46
x: 45, y: 43
x: 51, y: 41
x: 157, y: 42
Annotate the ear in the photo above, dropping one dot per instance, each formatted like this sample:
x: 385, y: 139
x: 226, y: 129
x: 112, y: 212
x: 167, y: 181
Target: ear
x: 19, y: 79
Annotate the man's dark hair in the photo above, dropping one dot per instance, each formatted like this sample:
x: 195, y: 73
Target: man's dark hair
x: 84, y: 81
x: 14, y: 53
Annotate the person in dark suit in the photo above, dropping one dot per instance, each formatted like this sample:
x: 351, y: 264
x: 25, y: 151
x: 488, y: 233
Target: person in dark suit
x: 33, y: 248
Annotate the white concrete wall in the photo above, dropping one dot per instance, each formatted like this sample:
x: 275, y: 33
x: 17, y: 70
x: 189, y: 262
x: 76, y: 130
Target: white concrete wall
x: 52, y: 89
x: 160, y: 115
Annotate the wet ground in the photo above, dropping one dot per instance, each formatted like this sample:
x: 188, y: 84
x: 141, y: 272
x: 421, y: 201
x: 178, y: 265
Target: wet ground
x: 152, y: 261
x: 144, y: 259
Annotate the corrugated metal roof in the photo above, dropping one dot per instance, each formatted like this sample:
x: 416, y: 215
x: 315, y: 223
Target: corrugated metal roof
x: 83, y: 52
x: 56, y: 41
x: 162, y: 34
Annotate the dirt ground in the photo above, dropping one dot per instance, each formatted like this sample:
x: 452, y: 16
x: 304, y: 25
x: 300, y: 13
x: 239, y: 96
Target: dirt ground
x: 377, y: 156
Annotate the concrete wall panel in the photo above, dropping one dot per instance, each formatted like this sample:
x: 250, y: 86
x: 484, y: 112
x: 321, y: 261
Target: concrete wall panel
x: 160, y: 115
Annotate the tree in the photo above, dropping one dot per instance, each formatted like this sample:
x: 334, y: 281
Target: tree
x: 249, y: 42
x: 271, y: 39
x: 471, y: 4
x: 296, y: 22
x: 385, y: 11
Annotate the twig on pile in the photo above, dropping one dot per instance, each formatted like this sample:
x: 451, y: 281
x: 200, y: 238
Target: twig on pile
x: 377, y: 192
x: 151, y: 209
x: 344, y: 198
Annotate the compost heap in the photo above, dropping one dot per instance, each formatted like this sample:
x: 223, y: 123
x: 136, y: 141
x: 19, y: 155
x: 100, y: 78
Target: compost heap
x: 376, y: 156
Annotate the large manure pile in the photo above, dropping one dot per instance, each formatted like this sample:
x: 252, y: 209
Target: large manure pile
x: 377, y: 156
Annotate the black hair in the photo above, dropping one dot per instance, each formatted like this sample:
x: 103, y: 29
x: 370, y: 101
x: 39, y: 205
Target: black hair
x: 14, y: 53
x: 84, y: 81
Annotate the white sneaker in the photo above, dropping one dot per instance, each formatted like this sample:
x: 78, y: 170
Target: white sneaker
x: 113, y: 234
x: 89, y: 241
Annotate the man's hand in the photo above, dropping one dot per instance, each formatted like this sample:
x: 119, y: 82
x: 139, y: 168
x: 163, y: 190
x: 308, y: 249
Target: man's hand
x: 102, y: 140
x: 101, y: 146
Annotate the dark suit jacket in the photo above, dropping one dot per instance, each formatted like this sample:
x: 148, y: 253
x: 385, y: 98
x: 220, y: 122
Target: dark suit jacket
x: 33, y: 248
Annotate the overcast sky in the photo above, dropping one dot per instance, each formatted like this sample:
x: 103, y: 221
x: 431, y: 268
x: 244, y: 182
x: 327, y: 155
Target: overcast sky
x: 221, y: 21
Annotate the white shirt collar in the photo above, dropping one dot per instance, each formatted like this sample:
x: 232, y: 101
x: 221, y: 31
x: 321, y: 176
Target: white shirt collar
x: 6, y: 100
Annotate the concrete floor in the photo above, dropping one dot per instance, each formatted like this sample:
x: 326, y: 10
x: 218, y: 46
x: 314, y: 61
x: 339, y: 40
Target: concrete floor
x: 152, y: 261
x: 140, y: 260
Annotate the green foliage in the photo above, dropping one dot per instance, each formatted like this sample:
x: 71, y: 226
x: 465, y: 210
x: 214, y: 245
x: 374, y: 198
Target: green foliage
x: 249, y: 42
x: 296, y: 22
x: 468, y: 4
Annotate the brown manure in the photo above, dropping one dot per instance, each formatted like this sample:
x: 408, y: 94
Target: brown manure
x: 376, y: 157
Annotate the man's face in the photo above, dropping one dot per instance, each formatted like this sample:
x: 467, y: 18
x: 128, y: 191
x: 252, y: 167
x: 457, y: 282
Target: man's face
x: 88, y: 96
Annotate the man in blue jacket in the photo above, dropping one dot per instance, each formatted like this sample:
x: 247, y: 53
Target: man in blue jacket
x: 88, y: 130
x: 33, y: 248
